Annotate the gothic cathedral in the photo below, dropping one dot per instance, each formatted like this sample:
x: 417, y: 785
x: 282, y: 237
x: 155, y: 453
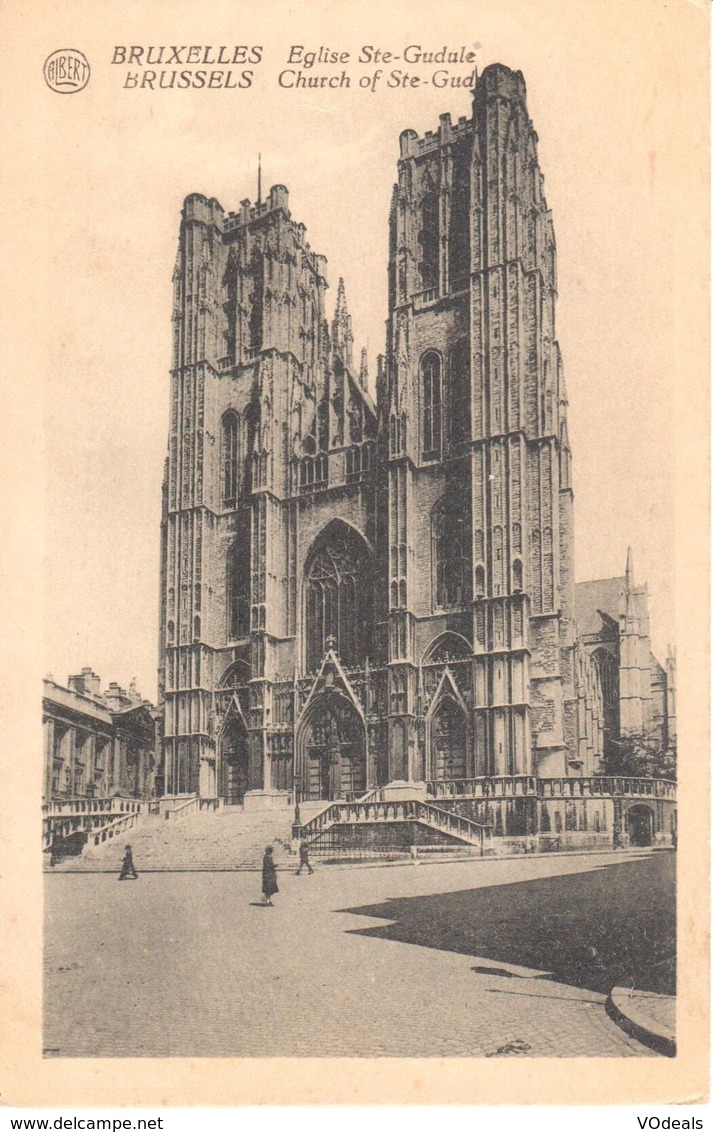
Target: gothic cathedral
x: 357, y: 593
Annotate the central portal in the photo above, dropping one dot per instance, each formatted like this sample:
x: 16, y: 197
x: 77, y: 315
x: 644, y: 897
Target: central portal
x: 332, y: 751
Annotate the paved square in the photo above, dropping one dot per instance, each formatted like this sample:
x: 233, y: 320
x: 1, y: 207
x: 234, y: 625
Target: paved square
x: 190, y: 965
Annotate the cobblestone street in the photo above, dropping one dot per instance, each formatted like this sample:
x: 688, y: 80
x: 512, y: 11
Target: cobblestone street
x: 189, y: 964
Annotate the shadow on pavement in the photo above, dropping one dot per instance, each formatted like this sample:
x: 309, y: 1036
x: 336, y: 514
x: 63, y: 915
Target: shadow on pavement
x: 615, y: 925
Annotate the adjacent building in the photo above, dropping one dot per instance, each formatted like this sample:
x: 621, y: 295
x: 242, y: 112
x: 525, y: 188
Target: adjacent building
x: 97, y: 745
x: 638, y: 693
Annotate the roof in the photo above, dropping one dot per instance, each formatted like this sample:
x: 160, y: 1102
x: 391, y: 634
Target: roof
x: 74, y: 701
x: 592, y: 599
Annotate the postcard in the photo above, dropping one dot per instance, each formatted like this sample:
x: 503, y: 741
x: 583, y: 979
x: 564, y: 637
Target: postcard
x: 356, y: 527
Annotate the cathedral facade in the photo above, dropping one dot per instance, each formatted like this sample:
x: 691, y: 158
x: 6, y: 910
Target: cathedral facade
x: 358, y: 592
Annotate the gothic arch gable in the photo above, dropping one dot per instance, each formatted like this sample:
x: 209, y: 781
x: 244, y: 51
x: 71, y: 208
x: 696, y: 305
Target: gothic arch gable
x: 234, y: 711
x: 331, y: 679
x: 446, y: 687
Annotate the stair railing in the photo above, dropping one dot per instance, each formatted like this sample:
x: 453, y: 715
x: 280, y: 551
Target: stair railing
x: 408, y: 809
x: 122, y: 825
x: 191, y: 805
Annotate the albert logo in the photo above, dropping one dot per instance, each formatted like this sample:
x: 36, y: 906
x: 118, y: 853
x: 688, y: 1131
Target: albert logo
x: 66, y: 71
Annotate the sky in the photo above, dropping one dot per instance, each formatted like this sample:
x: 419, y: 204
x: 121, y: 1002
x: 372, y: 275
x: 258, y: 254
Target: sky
x: 117, y: 163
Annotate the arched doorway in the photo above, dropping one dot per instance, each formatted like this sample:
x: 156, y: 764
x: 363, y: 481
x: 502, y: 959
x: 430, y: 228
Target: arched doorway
x: 640, y: 825
x: 448, y: 741
x: 332, y: 751
x: 234, y: 760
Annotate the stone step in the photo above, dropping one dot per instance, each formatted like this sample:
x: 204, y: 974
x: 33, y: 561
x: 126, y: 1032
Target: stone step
x: 229, y: 839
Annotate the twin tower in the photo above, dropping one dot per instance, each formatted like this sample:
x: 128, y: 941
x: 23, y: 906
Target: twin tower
x: 358, y: 592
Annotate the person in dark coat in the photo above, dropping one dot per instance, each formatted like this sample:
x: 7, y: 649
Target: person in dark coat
x: 269, y: 877
x: 128, y: 872
x: 304, y: 858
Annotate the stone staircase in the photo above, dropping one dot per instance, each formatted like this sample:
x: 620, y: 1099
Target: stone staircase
x: 227, y: 840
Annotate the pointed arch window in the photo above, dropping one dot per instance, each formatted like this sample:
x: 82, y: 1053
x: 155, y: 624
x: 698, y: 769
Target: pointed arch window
x: 238, y: 583
x: 256, y: 314
x: 460, y: 393
x: 230, y: 458
x: 399, y: 695
x: 608, y: 677
x: 517, y: 576
x: 429, y: 241
x: 450, y: 529
x: 358, y: 461
x: 338, y: 598
x: 314, y: 472
x: 448, y: 646
x: 431, y: 390
x: 459, y: 226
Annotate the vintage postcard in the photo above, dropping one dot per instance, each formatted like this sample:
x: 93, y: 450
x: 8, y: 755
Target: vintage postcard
x: 356, y: 497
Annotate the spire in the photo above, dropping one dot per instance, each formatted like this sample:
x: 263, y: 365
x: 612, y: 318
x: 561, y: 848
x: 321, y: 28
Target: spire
x: 629, y: 569
x: 342, y: 337
x: 259, y: 178
x: 341, y: 308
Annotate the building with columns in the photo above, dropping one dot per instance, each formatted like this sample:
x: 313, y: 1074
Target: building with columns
x: 97, y: 745
x: 358, y: 593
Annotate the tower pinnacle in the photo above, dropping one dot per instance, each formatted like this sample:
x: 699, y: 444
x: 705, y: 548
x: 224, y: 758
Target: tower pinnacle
x: 364, y: 369
x: 342, y: 337
x: 629, y: 568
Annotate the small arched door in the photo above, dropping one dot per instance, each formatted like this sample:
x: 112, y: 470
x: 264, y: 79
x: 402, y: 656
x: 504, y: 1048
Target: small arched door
x: 234, y: 761
x: 640, y: 825
x: 332, y: 751
x: 448, y: 741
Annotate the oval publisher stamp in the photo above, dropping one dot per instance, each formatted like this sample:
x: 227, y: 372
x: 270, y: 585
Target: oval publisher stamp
x: 66, y: 71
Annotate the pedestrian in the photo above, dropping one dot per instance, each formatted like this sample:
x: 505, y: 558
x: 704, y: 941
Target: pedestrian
x: 269, y: 877
x: 128, y: 872
x: 304, y: 858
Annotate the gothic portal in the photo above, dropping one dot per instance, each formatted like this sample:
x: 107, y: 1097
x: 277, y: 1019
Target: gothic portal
x: 359, y: 591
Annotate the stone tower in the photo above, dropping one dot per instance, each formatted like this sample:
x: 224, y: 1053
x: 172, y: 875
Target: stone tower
x: 478, y: 554
x: 270, y: 436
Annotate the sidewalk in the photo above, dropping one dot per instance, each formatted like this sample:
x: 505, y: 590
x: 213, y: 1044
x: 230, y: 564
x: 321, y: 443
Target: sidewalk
x: 648, y: 1017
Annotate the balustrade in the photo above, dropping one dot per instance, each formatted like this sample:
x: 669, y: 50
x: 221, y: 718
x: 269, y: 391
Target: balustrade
x: 518, y: 786
x: 61, y: 806
x: 503, y: 786
x: 598, y: 786
x: 121, y: 825
x: 423, y: 297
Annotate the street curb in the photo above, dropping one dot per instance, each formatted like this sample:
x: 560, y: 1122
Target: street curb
x: 628, y: 1009
x: 404, y: 863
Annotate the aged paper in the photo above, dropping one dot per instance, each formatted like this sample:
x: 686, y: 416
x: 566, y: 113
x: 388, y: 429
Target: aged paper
x: 103, y: 142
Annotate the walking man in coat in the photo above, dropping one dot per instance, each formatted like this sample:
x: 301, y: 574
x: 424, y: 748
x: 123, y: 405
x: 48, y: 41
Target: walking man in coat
x: 269, y: 877
x: 304, y: 858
